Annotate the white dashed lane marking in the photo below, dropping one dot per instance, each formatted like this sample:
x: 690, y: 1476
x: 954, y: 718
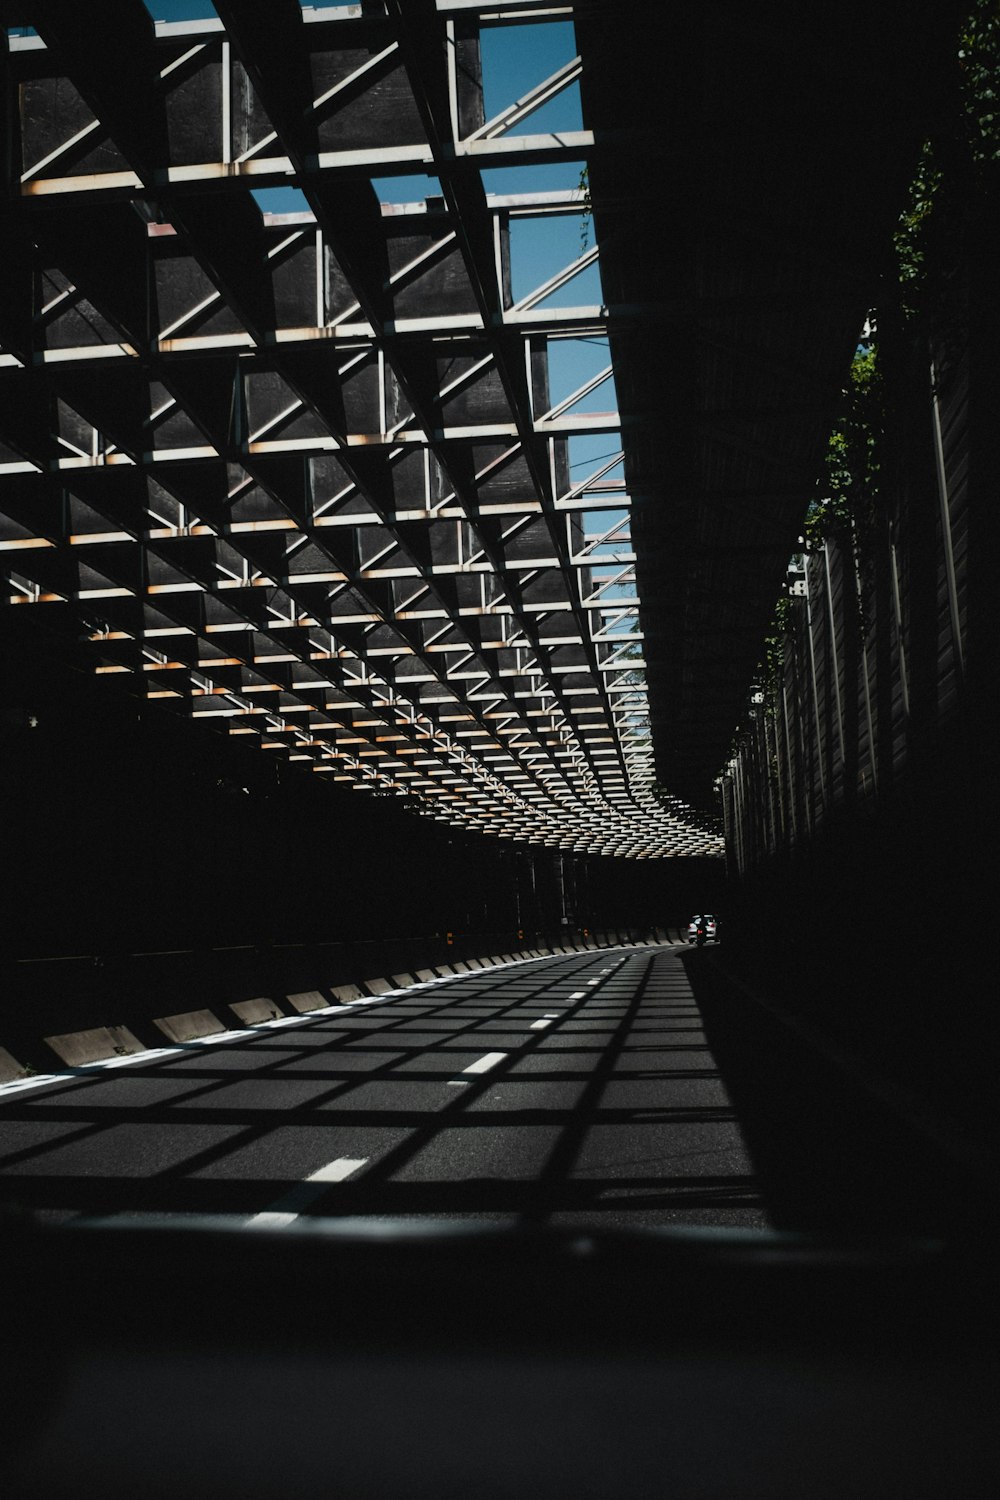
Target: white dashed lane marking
x: 481, y: 1065
x: 291, y: 1204
x: 541, y: 1025
x: 485, y: 1063
x: 336, y: 1171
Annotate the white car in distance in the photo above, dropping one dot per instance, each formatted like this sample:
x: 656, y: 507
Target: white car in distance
x: 710, y: 925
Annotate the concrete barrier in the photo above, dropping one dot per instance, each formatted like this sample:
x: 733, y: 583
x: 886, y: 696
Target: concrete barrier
x: 253, y: 1012
x: 10, y: 1068
x: 154, y: 980
x: 345, y: 993
x: 189, y: 1025
x: 308, y: 1000
x: 77, y: 1048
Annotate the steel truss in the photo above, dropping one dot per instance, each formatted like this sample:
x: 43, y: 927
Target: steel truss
x: 301, y: 474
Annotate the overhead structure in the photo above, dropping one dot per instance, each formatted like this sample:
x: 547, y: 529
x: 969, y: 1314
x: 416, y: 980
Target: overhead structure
x: 323, y: 478
x: 749, y: 167
x: 310, y: 476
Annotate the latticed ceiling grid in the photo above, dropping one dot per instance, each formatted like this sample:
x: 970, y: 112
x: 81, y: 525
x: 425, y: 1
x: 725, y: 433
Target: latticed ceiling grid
x: 302, y: 474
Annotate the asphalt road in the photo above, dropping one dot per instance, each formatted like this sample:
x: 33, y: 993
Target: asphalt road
x: 616, y: 1089
x: 567, y: 1090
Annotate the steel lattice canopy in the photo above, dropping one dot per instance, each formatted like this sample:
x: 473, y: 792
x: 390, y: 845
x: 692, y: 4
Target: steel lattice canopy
x: 301, y: 475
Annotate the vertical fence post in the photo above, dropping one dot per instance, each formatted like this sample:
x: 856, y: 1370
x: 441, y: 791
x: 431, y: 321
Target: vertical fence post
x: 834, y: 655
x: 946, y: 532
x: 897, y: 605
x: 815, y: 691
